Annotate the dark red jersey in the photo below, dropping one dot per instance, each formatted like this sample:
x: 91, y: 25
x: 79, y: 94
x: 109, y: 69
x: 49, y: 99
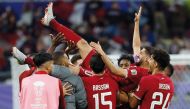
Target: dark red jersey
x: 155, y: 91
x: 101, y: 92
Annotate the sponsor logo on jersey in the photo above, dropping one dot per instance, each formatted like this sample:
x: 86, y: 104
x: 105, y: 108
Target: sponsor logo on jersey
x: 133, y: 72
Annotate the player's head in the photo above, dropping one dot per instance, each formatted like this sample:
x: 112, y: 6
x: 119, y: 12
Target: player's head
x: 169, y: 70
x: 43, y: 61
x: 159, y: 60
x: 125, y: 60
x: 76, y: 60
x: 144, y: 55
x: 97, y: 64
x: 60, y: 58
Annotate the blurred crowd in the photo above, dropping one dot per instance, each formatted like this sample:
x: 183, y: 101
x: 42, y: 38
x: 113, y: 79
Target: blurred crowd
x: 164, y: 24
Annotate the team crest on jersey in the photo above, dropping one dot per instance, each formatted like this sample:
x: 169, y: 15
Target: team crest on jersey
x: 133, y: 72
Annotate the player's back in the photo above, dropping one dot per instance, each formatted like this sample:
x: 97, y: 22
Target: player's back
x: 101, y: 92
x: 40, y: 91
x: 158, y: 92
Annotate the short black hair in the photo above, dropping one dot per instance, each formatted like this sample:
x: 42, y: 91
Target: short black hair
x: 41, y: 58
x: 57, y: 56
x: 32, y: 55
x: 128, y: 57
x: 171, y: 69
x: 75, y: 58
x: 96, y: 63
x: 149, y: 50
x: 162, y: 58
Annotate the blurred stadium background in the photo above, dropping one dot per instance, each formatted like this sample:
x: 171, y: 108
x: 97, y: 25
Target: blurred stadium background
x: 164, y: 24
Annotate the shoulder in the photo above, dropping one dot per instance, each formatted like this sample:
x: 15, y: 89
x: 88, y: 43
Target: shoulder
x: 26, y: 80
x: 148, y: 78
x: 137, y: 69
x: 170, y: 81
x: 51, y: 78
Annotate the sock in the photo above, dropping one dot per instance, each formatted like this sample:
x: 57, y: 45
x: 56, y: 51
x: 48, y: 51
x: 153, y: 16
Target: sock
x: 69, y: 34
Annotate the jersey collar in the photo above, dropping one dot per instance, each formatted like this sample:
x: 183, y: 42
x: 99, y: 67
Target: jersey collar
x: 40, y: 72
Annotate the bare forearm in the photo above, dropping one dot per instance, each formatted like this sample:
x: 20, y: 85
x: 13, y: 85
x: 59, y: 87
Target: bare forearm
x: 136, y: 39
x: 51, y: 49
x: 133, y: 102
x: 123, y: 97
x: 115, y: 70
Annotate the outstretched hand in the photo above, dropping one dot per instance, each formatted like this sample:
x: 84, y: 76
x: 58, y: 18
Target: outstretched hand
x: 97, y: 47
x: 57, y: 39
x: 138, y: 15
x: 70, y: 46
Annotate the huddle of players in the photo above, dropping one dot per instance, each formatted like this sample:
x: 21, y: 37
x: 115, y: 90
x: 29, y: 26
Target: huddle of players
x: 144, y: 85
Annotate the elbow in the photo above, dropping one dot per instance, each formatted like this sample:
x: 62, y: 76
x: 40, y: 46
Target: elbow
x: 132, y: 106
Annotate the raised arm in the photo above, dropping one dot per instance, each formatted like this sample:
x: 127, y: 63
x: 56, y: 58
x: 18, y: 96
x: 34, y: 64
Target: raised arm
x: 115, y: 70
x: 136, y: 34
x: 56, y: 40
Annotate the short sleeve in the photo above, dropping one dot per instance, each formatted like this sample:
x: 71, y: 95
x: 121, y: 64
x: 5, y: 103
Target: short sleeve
x: 142, y: 89
x: 133, y: 74
x: 85, y: 73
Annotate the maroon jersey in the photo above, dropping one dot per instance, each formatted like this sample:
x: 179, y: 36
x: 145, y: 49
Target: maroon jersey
x: 130, y: 83
x: 155, y: 92
x: 133, y: 77
x: 86, y: 61
x: 101, y: 92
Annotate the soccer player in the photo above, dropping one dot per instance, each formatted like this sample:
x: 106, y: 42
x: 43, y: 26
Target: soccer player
x: 134, y: 73
x: 125, y: 61
x: 154, y: 91
x: 41, y: 90
x: 85, y: 49
x: 101, y: 89
x: 104, y: 95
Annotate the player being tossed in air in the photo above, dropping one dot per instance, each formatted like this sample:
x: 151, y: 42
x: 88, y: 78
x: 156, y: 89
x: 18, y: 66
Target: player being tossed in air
x: 133, y: 75
x: 101, y: 89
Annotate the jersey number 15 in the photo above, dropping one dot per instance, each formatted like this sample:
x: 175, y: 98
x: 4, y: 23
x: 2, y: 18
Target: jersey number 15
x: 102, y: 97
